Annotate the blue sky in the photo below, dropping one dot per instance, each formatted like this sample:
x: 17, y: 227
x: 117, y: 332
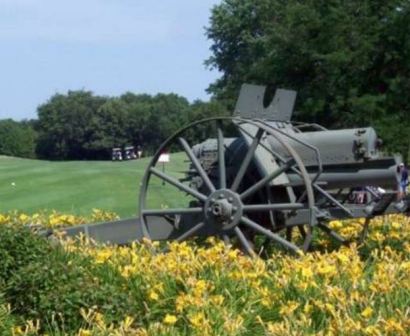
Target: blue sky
x: 106, y: 46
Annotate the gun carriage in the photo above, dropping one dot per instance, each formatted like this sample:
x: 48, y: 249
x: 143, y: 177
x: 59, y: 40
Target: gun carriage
x: 263, y: 176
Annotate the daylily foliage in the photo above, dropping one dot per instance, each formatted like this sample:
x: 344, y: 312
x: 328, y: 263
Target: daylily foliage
x: 213, y: 289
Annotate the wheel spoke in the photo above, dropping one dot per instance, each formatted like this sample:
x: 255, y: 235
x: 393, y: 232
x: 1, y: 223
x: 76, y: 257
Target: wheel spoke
x: 267, y: 179
x: 245, y: 243
x: 197, y: 164
x: 308, y: 240
x: 190, y: 232
x: 365, y: 230
x: 302, y: 231
x: 256, y: 227
x: 185, y: 235
x: 221, y: 157
x: 248, y: 158
x: 289, y: 232
x: 226, y: 239
x: 178, y: 184
x: 331, y: 233
x: 162, y: 212
x: 269, y: 207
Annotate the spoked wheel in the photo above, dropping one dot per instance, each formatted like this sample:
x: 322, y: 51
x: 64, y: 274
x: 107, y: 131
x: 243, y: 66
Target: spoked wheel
x: 237, y: 187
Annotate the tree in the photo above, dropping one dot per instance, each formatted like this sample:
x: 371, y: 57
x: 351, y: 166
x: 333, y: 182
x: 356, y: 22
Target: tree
x: 80, y: 125
x: 66, y: 124
x: 108, y: 129
x: 17, y: 138
x: 202, y: 110
x: 152, y: 119
x: 349, y: 60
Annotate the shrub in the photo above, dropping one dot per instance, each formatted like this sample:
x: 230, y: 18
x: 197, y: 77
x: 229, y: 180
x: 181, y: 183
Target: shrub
x: 18, y: 248
x: 44, y: 282
x: 6, y: 320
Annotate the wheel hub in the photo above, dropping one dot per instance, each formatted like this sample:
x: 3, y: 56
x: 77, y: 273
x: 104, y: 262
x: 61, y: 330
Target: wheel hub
x: 224, y: 209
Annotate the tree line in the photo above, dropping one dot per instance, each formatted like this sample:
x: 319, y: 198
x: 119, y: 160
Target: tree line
x: 349, y: 61
x: 81, y: 125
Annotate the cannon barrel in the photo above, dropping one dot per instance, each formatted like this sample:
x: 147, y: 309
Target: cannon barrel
x: 380, y: 173
x: 335, y: 146
x: 350, y: 157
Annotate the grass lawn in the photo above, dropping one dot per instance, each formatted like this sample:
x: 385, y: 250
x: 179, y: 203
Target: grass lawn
x: 79, y: 186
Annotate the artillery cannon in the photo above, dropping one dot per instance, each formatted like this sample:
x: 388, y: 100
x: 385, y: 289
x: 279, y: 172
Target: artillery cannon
x: 262, y: 176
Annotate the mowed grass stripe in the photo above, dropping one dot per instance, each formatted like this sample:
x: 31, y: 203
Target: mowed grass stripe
x: 79, y: 186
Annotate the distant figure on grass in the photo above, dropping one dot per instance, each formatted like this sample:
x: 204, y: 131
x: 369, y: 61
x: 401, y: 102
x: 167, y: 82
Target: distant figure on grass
x: 403, y: 180
x: 139, y: 151
x: 361, y: 196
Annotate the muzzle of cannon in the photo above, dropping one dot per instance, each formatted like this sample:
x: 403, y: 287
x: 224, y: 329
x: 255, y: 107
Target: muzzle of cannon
x: 260, y: 177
